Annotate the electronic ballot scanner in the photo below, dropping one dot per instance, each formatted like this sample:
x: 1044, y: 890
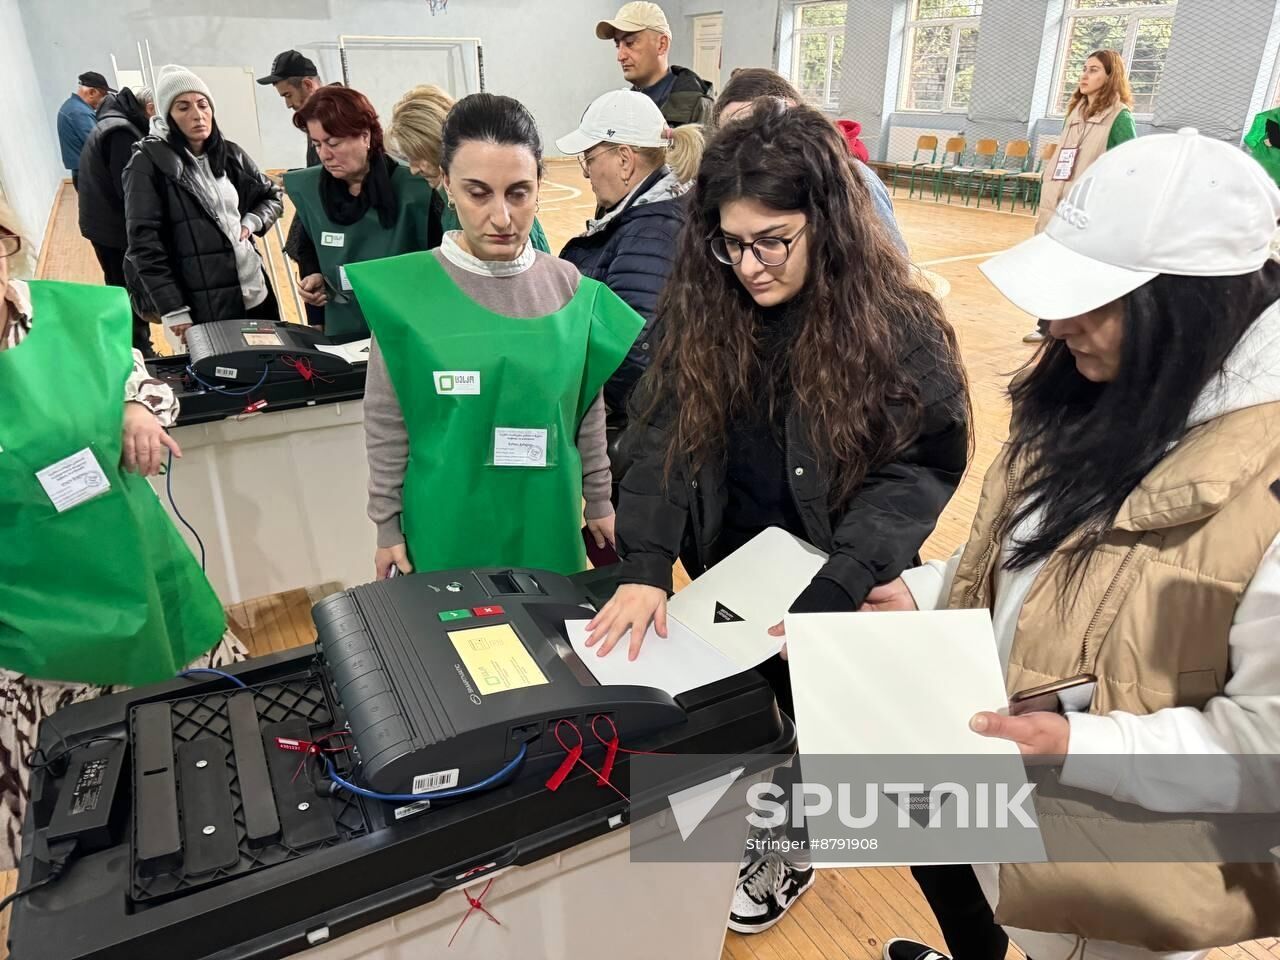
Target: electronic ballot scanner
x: 328, y: 801
x: 447, y: 683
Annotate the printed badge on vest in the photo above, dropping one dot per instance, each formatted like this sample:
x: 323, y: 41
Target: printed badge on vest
x: 457, y: 383
x: 328, y: 239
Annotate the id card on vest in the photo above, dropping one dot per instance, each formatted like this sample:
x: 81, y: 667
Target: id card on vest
x: 1066, y: 164
x: 73, y: 480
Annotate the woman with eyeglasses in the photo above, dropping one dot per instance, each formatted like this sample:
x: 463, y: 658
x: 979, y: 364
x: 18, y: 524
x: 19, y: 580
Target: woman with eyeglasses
x: 97, y: 588
x: 359, y: 204
x: 802, y: 380
x: 484, y: 419
x: 416, y: 131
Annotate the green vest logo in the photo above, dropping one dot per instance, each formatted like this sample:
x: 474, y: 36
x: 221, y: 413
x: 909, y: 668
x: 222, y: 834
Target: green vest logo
x: 457, y: 383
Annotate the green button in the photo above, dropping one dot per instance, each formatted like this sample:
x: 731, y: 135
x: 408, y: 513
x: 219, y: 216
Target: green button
x: 455, y: 615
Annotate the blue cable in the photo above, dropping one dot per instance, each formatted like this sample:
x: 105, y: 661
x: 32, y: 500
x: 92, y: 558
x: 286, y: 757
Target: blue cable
x: 485, y: 784
x: 187, y: 674
x: 168, y: 485
x: 223, y: 390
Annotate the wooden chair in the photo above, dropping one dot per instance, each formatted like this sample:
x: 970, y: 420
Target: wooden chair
x: 1032, y: 180
x: 955, y: 148
x: 1017, y: 154
x: 984, y: 158
x: 926, y: 142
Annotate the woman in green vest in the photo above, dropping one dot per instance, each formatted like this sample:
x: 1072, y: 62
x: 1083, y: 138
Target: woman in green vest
x: 484, y: 419
x: 416, y: 131
x: 97, y: 588
x: 359, y: 204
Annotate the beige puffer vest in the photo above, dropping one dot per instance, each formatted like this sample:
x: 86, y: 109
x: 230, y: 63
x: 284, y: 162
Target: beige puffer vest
x: 1151, y: 621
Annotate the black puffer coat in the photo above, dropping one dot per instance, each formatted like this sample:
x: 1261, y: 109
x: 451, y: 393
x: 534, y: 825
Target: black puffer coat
x: 178, y: 255
x: 633, y: 255
x: 122, y: 122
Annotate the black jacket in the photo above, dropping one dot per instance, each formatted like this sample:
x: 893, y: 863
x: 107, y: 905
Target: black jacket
x: 122, y: 122
x: 633, y: 255
x: 690, y: 100
x: 869, y: 542
x: 178, y: 255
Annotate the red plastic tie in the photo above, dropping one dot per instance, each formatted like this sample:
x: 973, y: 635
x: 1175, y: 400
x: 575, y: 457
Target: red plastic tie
x: 573, y: 755
x: 474, y: 904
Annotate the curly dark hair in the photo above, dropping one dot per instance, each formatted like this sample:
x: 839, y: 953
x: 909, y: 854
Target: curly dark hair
x: 857, y: 315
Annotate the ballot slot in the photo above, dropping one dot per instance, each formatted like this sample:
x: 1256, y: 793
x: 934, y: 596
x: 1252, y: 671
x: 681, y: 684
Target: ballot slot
x: 511, y: 583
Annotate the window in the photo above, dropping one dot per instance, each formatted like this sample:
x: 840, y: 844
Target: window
x: 816, y: 51
x: 942, y: 46
x: 1139, y: 30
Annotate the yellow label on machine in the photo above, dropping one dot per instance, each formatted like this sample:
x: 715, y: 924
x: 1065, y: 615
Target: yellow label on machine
x: 496, y: 658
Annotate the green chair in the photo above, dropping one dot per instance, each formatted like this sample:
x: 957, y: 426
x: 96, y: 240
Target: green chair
x: 927, y: 142
x: 1017, y: 154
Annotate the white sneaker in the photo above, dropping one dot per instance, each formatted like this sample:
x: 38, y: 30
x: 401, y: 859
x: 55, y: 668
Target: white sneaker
x: 899, y: 948
x: 766, y: 893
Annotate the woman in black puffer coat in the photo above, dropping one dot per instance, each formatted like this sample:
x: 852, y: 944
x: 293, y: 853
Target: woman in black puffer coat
x: 193, y: 202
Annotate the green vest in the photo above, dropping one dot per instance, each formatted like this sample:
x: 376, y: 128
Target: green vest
x: 104, y: 591
x: 338, y: 245
x: 492, y: 406
x: 449, y: 222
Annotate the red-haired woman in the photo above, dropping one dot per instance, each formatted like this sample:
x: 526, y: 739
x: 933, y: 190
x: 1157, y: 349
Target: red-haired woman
x: 359, y: 204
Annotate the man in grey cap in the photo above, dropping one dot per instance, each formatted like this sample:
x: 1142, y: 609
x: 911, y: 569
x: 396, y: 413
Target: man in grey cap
x: 76, y: 118
x: 643, y: 38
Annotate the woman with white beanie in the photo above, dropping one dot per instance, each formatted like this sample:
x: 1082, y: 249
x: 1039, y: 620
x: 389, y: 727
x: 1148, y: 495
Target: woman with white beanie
x: 193, y: 202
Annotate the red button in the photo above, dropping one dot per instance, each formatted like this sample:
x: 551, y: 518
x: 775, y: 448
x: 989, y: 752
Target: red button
x: 488, y: 611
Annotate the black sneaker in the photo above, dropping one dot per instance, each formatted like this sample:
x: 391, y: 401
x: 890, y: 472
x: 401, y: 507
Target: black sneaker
x: 766, y: 893
x: 901, y: 949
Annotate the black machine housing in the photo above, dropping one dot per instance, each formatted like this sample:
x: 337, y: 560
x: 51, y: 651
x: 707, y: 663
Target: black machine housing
x: 240, y: 353
x: 298, y: 861
x: 415, y: 708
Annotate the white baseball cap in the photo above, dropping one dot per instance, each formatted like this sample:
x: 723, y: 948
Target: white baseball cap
x: 1173, y: 203
x: 632, y: 18
x: 619, y: 116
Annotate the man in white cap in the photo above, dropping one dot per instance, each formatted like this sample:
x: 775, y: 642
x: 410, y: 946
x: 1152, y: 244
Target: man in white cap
x: 643, y: 37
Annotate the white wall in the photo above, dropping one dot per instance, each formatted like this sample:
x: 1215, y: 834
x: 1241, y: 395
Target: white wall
x: 30, y: 163
x: 543, y: 52
x: 750, y: 31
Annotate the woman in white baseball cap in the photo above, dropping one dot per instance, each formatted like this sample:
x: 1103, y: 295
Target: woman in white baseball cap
x: 1127, y: 542
x: 639, y: 170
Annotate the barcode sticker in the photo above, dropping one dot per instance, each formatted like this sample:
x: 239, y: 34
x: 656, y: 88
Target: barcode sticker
x: 440, y: 780
x: 410, y: 809
x: 227, y: 373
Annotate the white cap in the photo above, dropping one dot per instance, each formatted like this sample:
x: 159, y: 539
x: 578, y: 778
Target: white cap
x: 1167, y: 203
x: 632, y: 18
x: 619, y: 116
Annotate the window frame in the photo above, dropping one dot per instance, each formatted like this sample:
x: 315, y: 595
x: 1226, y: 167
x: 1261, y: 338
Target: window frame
x: 958, y: 25
x: 830, y: 97
x: 1162, y: 11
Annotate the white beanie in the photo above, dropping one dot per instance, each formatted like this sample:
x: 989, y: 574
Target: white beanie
x: 172, y: 81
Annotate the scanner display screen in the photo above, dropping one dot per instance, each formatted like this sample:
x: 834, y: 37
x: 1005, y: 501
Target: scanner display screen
x: 496, y: 658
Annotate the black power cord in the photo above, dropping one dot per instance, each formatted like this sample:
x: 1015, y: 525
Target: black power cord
x: 59, y: 858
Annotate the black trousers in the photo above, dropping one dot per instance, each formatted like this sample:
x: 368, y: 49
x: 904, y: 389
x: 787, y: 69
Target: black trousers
x: 962, y: 912
x: 112, y: 262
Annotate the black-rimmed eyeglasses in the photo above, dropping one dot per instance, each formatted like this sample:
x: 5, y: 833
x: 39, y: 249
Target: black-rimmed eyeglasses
x: 768, y: 251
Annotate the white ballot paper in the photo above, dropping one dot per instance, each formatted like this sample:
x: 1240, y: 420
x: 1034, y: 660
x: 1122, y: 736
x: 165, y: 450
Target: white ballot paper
x: 675, y: 663
x: 357, y: 351
x: 718, y: 626
x: 898, y: 683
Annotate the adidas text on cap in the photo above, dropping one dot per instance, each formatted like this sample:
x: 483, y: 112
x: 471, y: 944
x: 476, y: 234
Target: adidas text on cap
x: 1176, y: 203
